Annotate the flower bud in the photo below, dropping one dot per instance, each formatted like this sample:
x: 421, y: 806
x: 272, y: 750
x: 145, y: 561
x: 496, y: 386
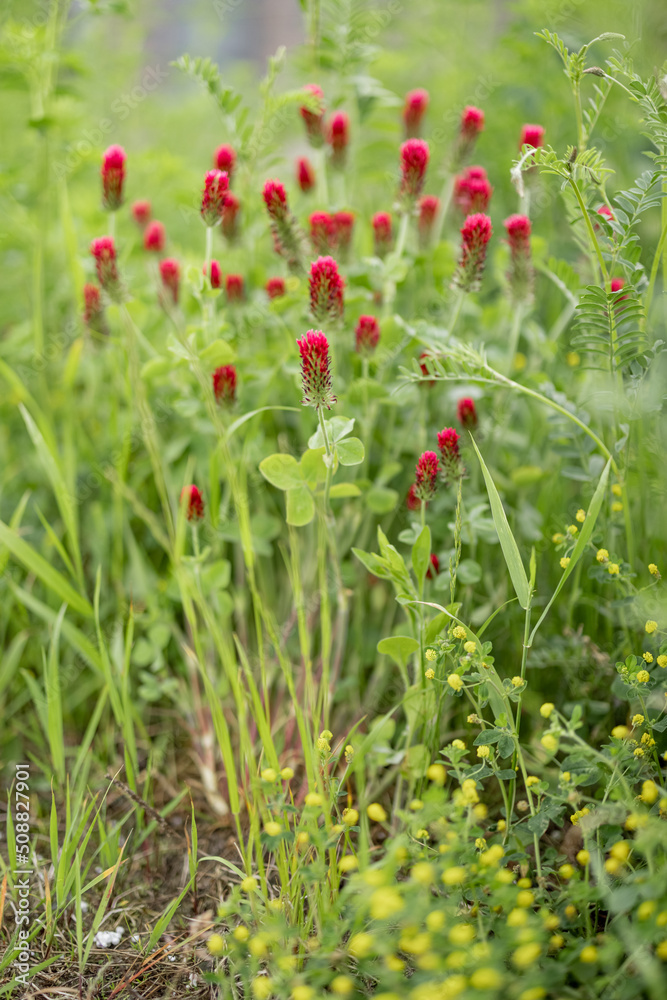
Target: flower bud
x: 326, y: 289
x: 287, y: 238
x: 412, y: 501
x: 531, y: 135
x: 339, y: 138
x: 414, y: 160
x: 434, y: 568
x: 104, y: 252
x: 154, y: 237
x: 234, y: 286
x: 382, y: 233
x: 416, y: 103
x: 275, y: 288
x: 313, y: 119
x: 170, y: 273
x: 426, y: 476
x: 214, y: 274
x: 475, y: 235
x: 113, y: 175
x: 472, y: 191
x: 224, y: 384
x: 305, y: 174
x: 93, y: 310
x: 230, y: 211
x: 141, y: 210
x: 520, y: 275
x: 225, y: 159
x: 216, y: 185
x: 367, y: 335
x: 195, y: 503
x: 467, y: 413
x: 316, y: 370
x: 429, y: 206
x: 472, y: 123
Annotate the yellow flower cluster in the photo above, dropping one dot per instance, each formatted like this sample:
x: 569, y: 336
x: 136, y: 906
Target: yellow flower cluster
x: 576, y: 816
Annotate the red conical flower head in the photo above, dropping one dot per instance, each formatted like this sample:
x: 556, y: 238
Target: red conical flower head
x: 472, y: 123
x: 225, y: 160
x: 230, y: 212
x: 429, y: 206
x: 434, y: 568
x: 275, y: 287
x: 412, y: 501
x: 382, y: 233
x: 520, y: 276
x: 170, y: 273
x: 313, y: 119
x: 339, y: 137
x: 113, y: 175
x: 367, y: 334
x: 141, y: 210
x: 234, y: 287
x: 448, y: 443
x: 104, y: 252
x: 322, y: 232
x: 224, y: 384
x: 93, y: 310
x: 414, y: 160
x: 275, y: 199
x: 305, y: 174
x: 214, y: 273
x: 467, y: 413
x: 416, y: 103
x: 154, y: 237
x: 316, y: 370
x: 426, y: 476
x: 475, y: 235
x: 472, y: 191
x: 326, y: 289
x: 344, y: 227
x: 195, y: 503
x: 216, y: 185
x: 531, y: 135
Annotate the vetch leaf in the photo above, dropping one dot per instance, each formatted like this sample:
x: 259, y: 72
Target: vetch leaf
x: 505, y: 536
x: 282, y: 471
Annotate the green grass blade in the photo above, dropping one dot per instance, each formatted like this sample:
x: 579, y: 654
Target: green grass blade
x: 49, y: 576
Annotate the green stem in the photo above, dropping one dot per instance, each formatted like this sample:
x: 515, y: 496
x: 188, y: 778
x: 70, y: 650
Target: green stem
x: 658, y: 256
x: 456, y: 309
x: 389, y: 291
x: 445, y: 199
x: 209, y: 249
x: 514, y: 335
x: 329, y: 463
x: 591, y: 233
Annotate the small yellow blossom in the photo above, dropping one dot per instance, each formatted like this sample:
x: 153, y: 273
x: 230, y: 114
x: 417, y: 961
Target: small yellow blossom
x: 517, y: 918
x: 241, y: 933
x: 662, y: 661
x: 546, y: 709
x: 303, y: 993
x: 313, y: 799
x: 617, y: 506
x: 589, y: 954
x: 650, y: 626
x: 558, y: 538
x: 576, y: 816
x: 470, y: 646
x: 287, y: 774
x: 572, y: 529
x: 216, y: 944
x: 416, y: 805
x: 385, y: 902
x: 649, y: 793
x: 653, y: 569
x: 613, y: 569
x: 454, y: 876
x: 526, y: 954
x: 531, y: 780
x: 620, y: 732
x: 517, y: 681
x: 643, y: 676
x: 322, y: 745
x: 564, y: 562
x: 480, y: 843
x: 302, y: 838
x: 483, y: 752
x: 638, y: 752
x: 459, y: 632
x: 350, y: 817
x: 272, y: 829
x: 525, y: 899
x: 486, y: 979
x: 501, y: 825
x: 423, y: 872
x: 249, y: 884
x: 566, y: 871
x: 262, y: 987
x: 493, y: 856
x: 342, y: 985
x: 570, y: 912
x: 602, y: 555
x: 376, y: 812
x: 326, y: 734
x: 455, y: 682
x: 583, y: 857
x: 429, y: 674
x: 437, y: 774
x: 431, y: 655
x: 533, y: 993
x: 648, y: 657
x: 348, y: 863
x: 469, y: 792
x: 573, y: 359
x: 565, y: 776
x: 349, y: 753
x: 638, y: 720
x: 616, y: 489
x: 646, y: 909
x: 268, y: 774
x: 549, y: 742
x: 459, y: 744
x: 581, y: 515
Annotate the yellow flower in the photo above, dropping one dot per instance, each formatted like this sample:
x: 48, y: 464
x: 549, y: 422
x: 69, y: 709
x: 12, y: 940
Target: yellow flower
x: 483, y: 752
x: 616, y: 489
x: 469, y: 792
x: 572, y: 358
x: 648, y: 657
x: 486, y: 979
x: 572, y: 529
x: 376, y: 812
x: 620, y: 850
x: 322, y: 745
x: 565, y: 562
x: 303, y: 993
x: 570, y: 911
x: 501, y: 825
x: 643, y: 676
x: 272, y: 829
x: 646, y: 909
x: 423, y: 872
x: 385, y: 903
x: 459, y: 632
x: 437, y: 774
x: 454, y: 876
x: 262, y: 988
x: 216, y: 944
x: 526, y: 954
x: 287, y: 774
x: 558, y: 538
x: 459, y: 744
x: 429, y: 674
x: 302, y: 838
x: 589, y: 954
x: 617, y: 506
x: 349, y: 753
x: 313, y: 799
x: 546, y: 709
x: 583, y: 857
x: 394, y: 963
x: 613, y: 569
x: 435, y: 920
x: 414, y: 944
x: 653, y: 569
x: 566, y: 871
x: 342, y: 985
x: 638, y: 752
x: 462, y: 934
x: 416, y: 805
x: 651, y: 626
x: 480, y: 844
x: 241, y: 933
x: 602, y: 555
x: 431, y: 655
x: 249, y: 884
x: 580, y: 515
x: 661, y: 950
x: 517, y: 918
x: 620, y: 732
x: 549, y: 742
x: 470, y: 646
x: 649, y: 793
x: 455, y: 682
x: 525, y: 899
x: 533, y: 993
x: 517, y: 681
x: 268, y: 774
x: 532, y: 780
x: 492, y: 857
x: 662, y: 661
x: 348, y: 863
x: 360, y: 944
x: 350, y: 817
x: 637, y: 720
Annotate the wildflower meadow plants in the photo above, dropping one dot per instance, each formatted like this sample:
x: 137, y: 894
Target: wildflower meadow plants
x: 334, y: 629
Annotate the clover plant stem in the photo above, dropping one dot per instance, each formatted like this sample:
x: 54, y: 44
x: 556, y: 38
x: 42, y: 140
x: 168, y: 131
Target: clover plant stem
x: 445, y: 199
x: 329, y: 455
x: 515, y: 332
x: 456, y: 309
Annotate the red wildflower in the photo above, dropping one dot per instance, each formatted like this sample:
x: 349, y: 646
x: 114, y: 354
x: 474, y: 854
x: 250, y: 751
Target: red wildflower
x: 434, y: 568
x: 344, y: 226
x: 275, y: 199
x: 606, y: 211
x: 287, y: 238
x: 93, y: 310
x: 424, y: 368
x: 416, y: 103
x: 322, y: 232
x: 305, y: 174
x: 230, y: 210
x: 448, y: 443
x: 170, y: 273
x: 472, y: 191
x: 521, y: 270
x: 214, y: 273
x: 113, y: 175
x: 316, y: 370
x: 412, y: 501
x: 141, y: 210
x: 414, y: 160
x: 104, y: 252
x: 367, y: 334
x: 382, y: 233
x: 326, y: 289
x: 224, y: 384
x: 225, y: 159
x: 275, y: 287
x: 475, y: 235
x: 234, y: 287
x: 339, y: 138
x: 429, y: 206
x: 617, y: 284
x: 216, y: 185
x: 467, y: 413
x: 154, y: 237
x: 426, y: 476
x: 313, y: 119
x: 472, y: 123
x: 531, y: 135
x: 195, y: 503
